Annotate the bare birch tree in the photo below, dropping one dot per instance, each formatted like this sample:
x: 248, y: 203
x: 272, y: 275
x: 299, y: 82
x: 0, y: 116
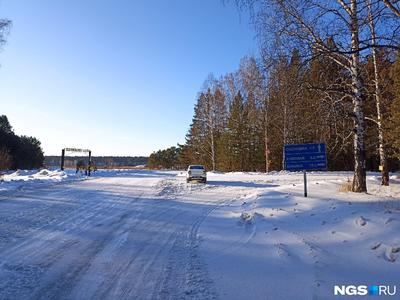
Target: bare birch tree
x: 378, y: 97
x: 211, y: 114
x: 309, y: 25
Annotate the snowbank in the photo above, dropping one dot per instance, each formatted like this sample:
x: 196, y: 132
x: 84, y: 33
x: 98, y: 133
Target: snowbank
x: 24, y: 178
x: 44, y: 174
x: 20, y: 178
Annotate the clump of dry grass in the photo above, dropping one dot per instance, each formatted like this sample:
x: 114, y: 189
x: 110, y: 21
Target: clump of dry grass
x: 347, y: 186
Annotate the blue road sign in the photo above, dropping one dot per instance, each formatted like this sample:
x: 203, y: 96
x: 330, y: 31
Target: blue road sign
x: 305, y: 157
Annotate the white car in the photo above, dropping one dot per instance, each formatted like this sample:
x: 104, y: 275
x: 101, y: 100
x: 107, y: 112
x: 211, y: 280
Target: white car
x: 196, y: 172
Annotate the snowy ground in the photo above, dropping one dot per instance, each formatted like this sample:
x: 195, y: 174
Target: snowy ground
x: 20, y: 179
x: 149, y: 235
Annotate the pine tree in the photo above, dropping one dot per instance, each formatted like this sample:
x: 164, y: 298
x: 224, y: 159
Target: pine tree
x: 235, y: 134
x: 394, y: 122
x: 253, y: 136
x: 193, y: 151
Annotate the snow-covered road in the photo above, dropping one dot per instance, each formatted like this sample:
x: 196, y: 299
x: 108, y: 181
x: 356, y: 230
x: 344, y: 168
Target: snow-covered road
x: 149, y: 235
x: 123, y: 237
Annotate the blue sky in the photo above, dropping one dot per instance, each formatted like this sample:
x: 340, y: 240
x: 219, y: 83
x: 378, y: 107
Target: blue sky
x: 119, y: 77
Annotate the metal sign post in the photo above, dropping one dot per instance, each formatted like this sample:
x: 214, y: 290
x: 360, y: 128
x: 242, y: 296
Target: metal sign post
x: 62, y: 159
x: 90, y: 162
x: 305, y: 157
x: 305, y: 183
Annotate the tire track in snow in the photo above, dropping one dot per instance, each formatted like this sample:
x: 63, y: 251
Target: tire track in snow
x: 122, y: 286
x: 186, y: 275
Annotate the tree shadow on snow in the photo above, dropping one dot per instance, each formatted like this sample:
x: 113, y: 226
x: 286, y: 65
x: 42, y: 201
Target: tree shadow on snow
x: 247, y: 184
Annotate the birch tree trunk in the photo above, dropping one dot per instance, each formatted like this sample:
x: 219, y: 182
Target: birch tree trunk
x: 378, y: 101
x: 266, y: 138
x: 359, y: 180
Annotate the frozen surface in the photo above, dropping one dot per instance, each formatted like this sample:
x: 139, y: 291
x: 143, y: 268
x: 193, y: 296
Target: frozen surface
x: 132, y: 234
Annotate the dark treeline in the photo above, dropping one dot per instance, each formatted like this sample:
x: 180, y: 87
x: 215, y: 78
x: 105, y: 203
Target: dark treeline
x: 18, y: 152
x: 165, y: 159
x: 243, y: 120
x: 329, y: 71
x: 98, y: 161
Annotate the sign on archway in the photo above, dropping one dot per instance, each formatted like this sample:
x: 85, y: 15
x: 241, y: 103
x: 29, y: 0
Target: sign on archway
x: 77, y: 150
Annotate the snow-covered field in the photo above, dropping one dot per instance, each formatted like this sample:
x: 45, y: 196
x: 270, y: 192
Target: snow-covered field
x: 136, y: 234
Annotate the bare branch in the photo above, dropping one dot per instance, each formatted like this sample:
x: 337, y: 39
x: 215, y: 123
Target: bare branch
x: 392, y: 7
x: 345, y: 6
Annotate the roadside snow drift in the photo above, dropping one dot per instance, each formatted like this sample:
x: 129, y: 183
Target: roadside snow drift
x: 20, y: 178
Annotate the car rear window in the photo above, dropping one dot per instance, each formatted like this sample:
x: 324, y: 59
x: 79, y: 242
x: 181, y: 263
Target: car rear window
x: 196, y: 167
